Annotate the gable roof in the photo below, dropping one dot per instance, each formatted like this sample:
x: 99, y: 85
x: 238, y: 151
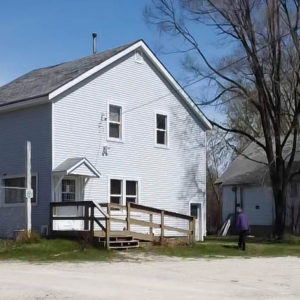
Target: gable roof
x: 254, y: 170
x: 52, y: 81
x: 77, y: 166
x: 41, y: 82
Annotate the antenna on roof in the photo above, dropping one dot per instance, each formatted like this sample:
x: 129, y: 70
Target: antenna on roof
x: 94, y: 42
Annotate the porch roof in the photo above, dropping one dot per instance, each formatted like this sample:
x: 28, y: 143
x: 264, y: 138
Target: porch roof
x: 77, y: 166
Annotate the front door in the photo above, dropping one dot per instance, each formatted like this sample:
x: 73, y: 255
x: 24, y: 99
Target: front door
x: 70, y: 192
x: 196, y: 212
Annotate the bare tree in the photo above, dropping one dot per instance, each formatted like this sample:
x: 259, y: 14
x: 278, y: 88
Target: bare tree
x: 263, y: 71
x: 219, y: 154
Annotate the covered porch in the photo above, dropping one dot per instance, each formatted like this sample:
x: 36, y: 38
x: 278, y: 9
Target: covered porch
x: 70, y: 179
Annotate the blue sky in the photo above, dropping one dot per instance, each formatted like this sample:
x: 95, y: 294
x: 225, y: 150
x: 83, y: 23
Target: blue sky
x: 39, y: 33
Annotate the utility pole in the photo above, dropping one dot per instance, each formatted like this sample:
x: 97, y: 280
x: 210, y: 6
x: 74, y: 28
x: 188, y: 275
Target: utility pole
x: 28, y: 191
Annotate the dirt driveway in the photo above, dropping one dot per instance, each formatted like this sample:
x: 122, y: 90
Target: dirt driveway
x: 159, y: 278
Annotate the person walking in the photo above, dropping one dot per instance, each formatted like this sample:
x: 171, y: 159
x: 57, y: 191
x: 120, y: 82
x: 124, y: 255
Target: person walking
x: 242, y: 227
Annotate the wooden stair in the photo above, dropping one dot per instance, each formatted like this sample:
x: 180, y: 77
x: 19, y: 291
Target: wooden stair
x: 121, y: 242
x: 99, y: 227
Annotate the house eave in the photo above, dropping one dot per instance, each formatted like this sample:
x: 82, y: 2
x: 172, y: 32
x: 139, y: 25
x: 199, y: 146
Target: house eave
x: 24, y: 103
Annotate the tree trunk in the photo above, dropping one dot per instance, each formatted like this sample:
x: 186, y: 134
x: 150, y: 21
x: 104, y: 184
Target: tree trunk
x: 280, y: 205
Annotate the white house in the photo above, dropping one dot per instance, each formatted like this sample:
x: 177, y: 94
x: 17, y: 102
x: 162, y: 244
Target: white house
x: 111, y: 127
x: 246, y: 184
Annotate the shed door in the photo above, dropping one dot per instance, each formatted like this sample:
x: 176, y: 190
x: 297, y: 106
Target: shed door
x: 258, y: 205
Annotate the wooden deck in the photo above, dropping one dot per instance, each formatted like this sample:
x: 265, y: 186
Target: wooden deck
x: 98, y: 219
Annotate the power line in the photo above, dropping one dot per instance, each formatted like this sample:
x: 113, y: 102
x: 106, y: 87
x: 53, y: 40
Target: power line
x: 204, y: 77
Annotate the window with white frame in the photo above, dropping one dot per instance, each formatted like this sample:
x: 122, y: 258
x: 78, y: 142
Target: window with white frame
x: 14, y: 196
x: 161, y: 129
x: 131, y: 191
x: 68, y: 190
x: 116, y: 191
x: 115, y: 122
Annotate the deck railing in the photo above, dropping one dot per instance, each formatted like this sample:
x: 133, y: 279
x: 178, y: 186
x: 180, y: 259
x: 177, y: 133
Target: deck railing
x: 153, y: 219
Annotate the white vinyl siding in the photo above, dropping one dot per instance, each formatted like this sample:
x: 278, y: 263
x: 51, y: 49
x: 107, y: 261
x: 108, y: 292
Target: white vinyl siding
x: 167, y: 178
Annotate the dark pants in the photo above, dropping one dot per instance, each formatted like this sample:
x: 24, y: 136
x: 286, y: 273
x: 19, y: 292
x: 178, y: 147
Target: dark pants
x: 242, y: 239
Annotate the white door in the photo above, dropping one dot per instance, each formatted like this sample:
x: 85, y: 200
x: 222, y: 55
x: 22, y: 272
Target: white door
x: 196, y: 212
x: 70, y: 192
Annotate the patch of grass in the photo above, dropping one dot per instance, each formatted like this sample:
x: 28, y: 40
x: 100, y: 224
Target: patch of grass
x: 52, y: 250
x: 228, y: 248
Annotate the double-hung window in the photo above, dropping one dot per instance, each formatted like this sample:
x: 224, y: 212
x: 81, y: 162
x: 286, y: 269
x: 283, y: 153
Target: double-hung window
x: 129, y: 192
x: 161, y: 130
x: 68, y: 190
x: 15, y: 190
x: 115, y: 122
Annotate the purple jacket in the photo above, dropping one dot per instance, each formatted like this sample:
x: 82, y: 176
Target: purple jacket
x: 242, y: 222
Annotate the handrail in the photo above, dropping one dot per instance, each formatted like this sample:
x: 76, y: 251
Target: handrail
x: 80, y: 203
x: 158, y: 211
x: 89, y: 218
x: 100, y: 209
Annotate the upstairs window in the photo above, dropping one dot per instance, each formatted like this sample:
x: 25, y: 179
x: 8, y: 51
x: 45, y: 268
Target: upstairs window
x: 161, y: 129
x: 116, y: 191
x: 131, y: 191
x: 115, y: 122
x: 13, y: 196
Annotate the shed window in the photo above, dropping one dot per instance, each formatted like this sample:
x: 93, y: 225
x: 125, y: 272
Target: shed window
x: 116, y: 191
x: 13, y: 196
x: 161, y: 129
x: 194, y: 210
x: 293, y: 189
x: 68, y: 191
x: 115, y: 122
x: 131, y: 191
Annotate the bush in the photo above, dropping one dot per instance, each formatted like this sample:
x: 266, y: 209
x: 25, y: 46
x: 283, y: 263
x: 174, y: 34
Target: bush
x: 24, y: 237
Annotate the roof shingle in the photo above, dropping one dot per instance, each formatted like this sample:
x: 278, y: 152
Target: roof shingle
x: 41, y: 82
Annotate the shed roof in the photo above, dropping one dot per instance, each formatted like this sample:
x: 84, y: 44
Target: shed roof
x: 254, y: 170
